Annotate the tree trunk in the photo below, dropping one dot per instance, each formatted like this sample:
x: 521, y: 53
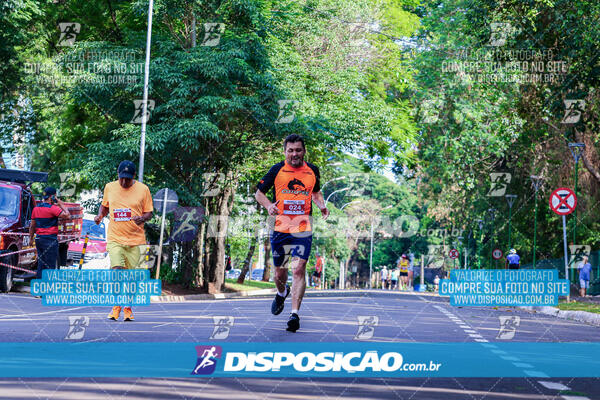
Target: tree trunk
x: 267, y: 266
x: 248, y: 260
x: 214, y: 268
x: 586, y: 162
x: 210, y: 271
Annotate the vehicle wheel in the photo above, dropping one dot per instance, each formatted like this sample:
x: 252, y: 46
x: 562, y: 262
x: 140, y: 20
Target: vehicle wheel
x: 6, y: 274
x: 63, y: 249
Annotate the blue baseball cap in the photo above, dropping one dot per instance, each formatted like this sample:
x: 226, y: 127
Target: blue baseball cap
x: 126, y: 169
x: 49, y: 192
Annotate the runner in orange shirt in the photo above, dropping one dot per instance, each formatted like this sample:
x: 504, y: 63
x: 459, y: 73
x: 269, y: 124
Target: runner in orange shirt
x: 296, y: 186
x: 129, y: 204
x: 318, y: 270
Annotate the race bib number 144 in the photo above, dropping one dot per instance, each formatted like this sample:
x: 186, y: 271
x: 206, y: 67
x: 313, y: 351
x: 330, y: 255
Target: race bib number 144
x: 122, y: 214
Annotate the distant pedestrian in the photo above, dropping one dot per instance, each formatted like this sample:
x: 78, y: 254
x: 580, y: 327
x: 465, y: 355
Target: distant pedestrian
x: 316, y: 275
x: 403, y: 266
x: 584, y: 276
x: 394, y: 279
x: 513, y: 260
x: 384, y: 277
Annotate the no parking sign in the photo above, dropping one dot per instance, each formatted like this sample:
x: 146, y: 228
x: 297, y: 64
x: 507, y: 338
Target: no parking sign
x: 497, y: 254
x: 563, y: 202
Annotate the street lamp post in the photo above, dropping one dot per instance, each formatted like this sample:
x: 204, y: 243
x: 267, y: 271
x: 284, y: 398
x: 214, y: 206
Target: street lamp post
x: 537, y: 183
x: 576, y: 151
x: 460, y: 238
x: 371, y: 251
x: 492, y: 214
x: 332, y: 180
x: 480, y: 223
x: 145, y: 96
x: 371, y: 259
x: 334, y: 192
x: 510, y: 199
x: 350, y: 202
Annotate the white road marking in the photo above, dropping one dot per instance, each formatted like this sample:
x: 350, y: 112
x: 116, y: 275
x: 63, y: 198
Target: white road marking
x: 41, y: 313
x: 575, y: 398
x: 467, y: 329
x: 522, y: 365
x: 554, y: 385
x: 166, y: 323
x: 538, y: 374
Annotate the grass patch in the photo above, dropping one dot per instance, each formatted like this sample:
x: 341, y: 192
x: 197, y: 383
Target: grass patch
x: 248, y: 285
x: 571, y: 393
x: 580, y: 306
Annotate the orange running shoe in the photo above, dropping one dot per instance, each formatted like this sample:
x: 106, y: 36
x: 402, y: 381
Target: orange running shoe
x: 114, y: 314
x: 127, y: 314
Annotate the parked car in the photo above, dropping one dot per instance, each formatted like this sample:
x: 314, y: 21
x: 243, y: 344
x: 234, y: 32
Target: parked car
x: 257, y: 274
x: 233, y: 273
x: 96, y: 255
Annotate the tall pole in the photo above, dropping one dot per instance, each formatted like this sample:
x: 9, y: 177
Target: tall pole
x: 509, y: 220
x: 480, y: 222
x: 565, y: 249
x: 323, y: 279
x: 575, y: 212
x: 510, y: 199
x: 576, y: 151
x: 535, y: 228
x: 162, y: 230
x: 371, y: 257
x: 460, y: 247
x: 342, y: 275
x: 537, y: 182
x: 145, y: 98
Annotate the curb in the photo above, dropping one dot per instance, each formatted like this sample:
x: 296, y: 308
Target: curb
x: 217, y: 296
x: 580, y: 316
x: 270, y: 292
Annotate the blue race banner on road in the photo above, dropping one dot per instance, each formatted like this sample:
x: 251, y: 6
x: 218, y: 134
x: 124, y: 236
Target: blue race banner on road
x: 504, y: 287
x: 96, y: 287
x: 318, y: 360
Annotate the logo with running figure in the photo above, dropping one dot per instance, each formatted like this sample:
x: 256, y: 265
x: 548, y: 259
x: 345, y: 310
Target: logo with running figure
x: 68, y: 33
x: 508, y: 326
x: 77, y: 327
x: 207, y: 359
x: 222, y: 327
x: 366, y: 326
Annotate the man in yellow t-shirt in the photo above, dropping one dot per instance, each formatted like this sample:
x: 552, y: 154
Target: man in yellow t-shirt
x: 129, y: 204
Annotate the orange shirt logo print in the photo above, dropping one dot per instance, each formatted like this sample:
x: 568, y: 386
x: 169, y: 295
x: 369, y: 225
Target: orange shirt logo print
x: 295, y: 186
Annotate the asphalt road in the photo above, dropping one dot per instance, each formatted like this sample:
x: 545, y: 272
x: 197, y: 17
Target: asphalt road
x: 400, y: 318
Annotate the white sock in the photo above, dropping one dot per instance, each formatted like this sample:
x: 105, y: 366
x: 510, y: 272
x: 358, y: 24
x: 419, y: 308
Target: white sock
x: 294, y: 311
x: 283, y: 294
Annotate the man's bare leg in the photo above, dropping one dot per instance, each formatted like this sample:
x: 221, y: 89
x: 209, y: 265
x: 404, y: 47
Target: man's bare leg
x: 281, y: 276
x: 298, y: 283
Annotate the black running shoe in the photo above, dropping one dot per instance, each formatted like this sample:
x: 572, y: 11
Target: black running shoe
x: 278, y: 302
x: 293, y: 323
